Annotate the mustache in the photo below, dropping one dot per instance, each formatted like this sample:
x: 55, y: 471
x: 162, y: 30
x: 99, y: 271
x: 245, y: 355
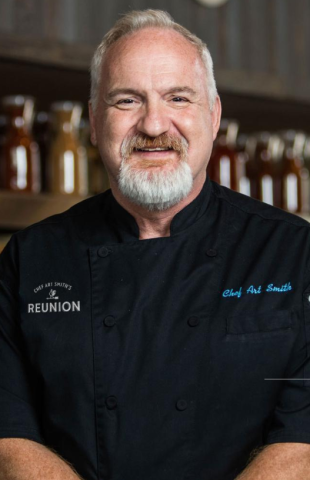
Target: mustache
x: 167, y: 141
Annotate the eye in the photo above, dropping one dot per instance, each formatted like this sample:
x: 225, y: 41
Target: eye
x: 179, y: 99
x: 126, y: 101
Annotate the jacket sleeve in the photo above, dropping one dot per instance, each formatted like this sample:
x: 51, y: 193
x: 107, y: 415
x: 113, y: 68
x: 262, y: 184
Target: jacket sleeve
x: 19, y: 397
x: 291, y: 419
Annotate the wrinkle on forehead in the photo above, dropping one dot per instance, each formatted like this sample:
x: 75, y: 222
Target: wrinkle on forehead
x: 147, y: 42
x: 166, y: 46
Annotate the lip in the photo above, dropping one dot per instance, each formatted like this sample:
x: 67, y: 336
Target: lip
x: 162, y: 154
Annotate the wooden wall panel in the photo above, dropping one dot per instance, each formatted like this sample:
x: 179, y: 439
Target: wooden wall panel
x: 299, y: 51
x: 282, y: 38
x: 271, y: 20
x: 85, y: 15
x: 28, y: 16
x: 256, y: 45
x: 234, y: 42
x: 7, y: 16
x: 258, y: 36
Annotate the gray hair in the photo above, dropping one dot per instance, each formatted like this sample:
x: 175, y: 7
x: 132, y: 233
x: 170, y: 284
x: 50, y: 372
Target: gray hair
x: 138, y: 20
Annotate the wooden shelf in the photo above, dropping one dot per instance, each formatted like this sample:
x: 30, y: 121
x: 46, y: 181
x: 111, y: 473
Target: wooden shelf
x: 305, y: 216
x: 18, y: 210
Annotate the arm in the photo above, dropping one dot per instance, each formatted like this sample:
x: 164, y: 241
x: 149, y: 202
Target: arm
x: 22, y: 459
x: 280, y: 461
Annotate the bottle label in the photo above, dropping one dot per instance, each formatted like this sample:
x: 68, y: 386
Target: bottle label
x: 267, y: 189
x: 19, y: 156
x: 225, y: 172
x: 244, y: 186
x: 83, y: 171
x: 291, y: 192
x: 305, y: 190
x: 68, y: 181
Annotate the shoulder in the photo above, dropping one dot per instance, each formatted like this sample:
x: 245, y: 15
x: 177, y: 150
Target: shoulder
x: 77, y: 213
x: 245, y: 206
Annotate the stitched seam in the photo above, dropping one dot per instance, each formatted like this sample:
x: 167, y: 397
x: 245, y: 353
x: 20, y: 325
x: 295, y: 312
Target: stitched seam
x: 259, y: 214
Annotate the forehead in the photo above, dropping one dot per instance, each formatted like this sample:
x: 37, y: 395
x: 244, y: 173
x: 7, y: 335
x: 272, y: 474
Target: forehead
x: 153, y: 55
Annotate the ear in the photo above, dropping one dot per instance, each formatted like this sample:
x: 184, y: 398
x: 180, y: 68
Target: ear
x: 93, y: 136
x: 216, y: 116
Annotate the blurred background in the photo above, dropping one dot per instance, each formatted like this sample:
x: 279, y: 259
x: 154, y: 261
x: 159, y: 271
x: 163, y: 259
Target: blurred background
x: 261, y: 53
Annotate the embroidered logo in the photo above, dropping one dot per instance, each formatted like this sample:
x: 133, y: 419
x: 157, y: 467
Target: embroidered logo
x: 52, y: 295
x: 257, y: 290
x: 51, y: 305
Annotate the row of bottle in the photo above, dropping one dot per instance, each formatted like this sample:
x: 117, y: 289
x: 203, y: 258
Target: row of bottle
x: 51, y: 152
x: 48, y: 152
x: 273, y: 168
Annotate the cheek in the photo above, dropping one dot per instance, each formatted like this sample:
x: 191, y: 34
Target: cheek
x: 199, y: 132
x: 115, y: 128
x: 194, y: 126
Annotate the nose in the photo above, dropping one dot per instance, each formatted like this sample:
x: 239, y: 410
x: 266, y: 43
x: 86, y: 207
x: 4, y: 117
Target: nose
x: 154, y: 120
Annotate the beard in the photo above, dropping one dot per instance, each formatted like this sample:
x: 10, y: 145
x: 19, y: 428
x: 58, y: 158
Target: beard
x: 155, y: 190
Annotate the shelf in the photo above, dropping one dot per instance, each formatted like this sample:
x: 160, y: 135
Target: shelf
x: 305, y: 216
x: 18, y: 210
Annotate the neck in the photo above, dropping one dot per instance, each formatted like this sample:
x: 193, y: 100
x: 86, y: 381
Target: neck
x: 155, y: 224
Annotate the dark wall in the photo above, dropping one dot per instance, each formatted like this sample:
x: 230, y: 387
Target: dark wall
x: 258, y: 46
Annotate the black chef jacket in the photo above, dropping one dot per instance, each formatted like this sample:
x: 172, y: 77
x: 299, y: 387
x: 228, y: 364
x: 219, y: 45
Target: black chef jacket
x: 160, y: 359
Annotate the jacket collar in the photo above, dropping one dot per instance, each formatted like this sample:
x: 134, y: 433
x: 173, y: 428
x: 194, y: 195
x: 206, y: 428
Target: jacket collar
x: 127, y: 228
x: 103, y: 220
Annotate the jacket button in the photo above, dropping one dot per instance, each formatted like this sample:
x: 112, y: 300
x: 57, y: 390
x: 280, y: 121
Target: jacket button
x: 211, y: 252
x: 109, y: 321
x: 111, y: 402
x: 181, y: 405
x: 103, y: 252
x: 193, y: 321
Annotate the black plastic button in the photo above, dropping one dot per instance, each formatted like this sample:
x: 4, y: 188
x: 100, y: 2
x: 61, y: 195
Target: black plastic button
x: 109, y: 321
x: 211, y: 252
x: 111, y: 402
x: 181, y: 405
x: 103, y: 252
x: 193, y: 321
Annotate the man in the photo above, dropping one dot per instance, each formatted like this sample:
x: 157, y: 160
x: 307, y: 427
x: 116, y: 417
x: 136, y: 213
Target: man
x: 158, y: 331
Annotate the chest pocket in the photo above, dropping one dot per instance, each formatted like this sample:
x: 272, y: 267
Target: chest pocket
x: 258, y: 326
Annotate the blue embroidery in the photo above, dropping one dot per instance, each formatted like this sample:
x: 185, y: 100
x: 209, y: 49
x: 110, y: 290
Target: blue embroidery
x: 232, y: 293
x: 252, y: 290
x: 284, y: 288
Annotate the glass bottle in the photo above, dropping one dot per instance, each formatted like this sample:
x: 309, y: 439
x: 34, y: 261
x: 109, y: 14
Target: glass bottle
x: 252, y: 166
x: 41, y: 133
x: 292, y: 164
x: 98, y: 180
x: 305, y: 176
x: 67, y: 160
x: 223, y: 159
x: 242, y: 159
x: 3, y: 129
x: 20, y: 157
x: 268, y: 173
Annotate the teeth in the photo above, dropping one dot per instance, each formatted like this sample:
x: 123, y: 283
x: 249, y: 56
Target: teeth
x: 153, y: 149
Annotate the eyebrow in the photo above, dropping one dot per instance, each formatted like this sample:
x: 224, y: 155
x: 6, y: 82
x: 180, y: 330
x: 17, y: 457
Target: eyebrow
x: 121, y: 91
x: 132, y: 91
x: 181, y: 89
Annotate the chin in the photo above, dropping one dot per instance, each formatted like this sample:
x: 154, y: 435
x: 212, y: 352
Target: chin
x: 158, y: 189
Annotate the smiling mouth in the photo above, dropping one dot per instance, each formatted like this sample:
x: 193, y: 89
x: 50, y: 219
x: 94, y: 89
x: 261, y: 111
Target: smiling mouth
x: 153, y: 149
